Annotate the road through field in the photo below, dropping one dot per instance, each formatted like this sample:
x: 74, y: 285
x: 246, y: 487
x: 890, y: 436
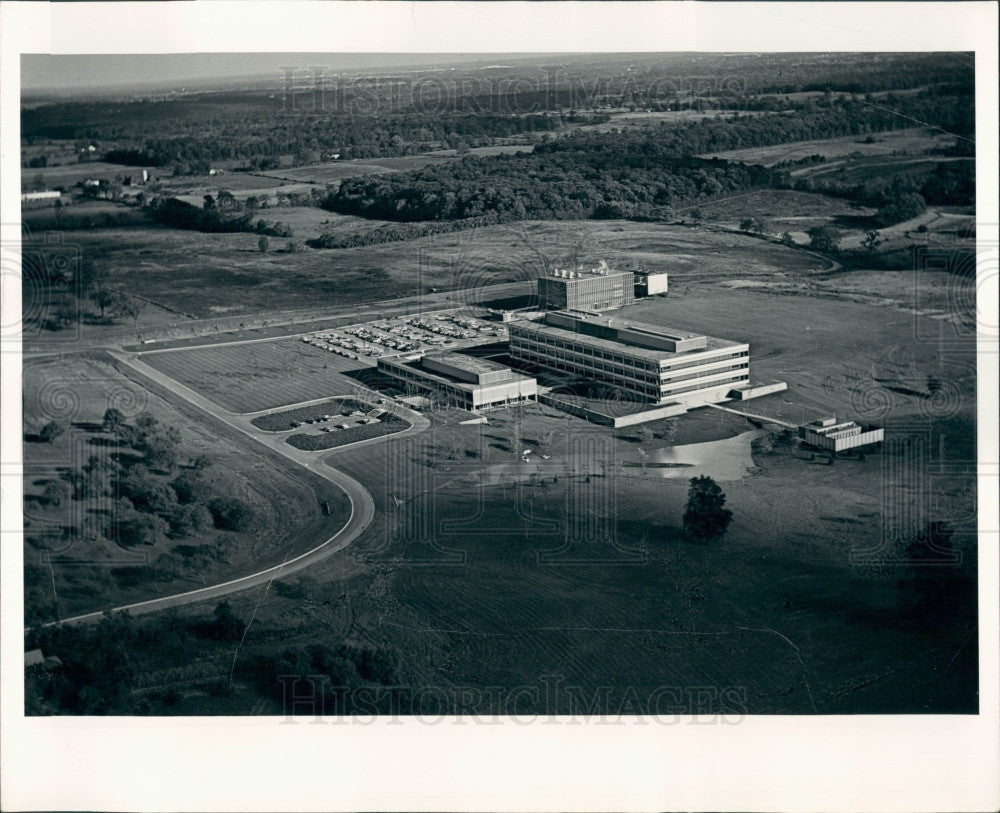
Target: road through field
x: 362, y: 504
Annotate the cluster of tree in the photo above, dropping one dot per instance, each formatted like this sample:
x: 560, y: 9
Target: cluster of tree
x: 97, y: 672
x: 66, y: 284
x: 179, y: 214
x: 401, y: 231
x: 102, y: 664
x: 951, y: 184
x: 841, y: 117
x: 754, y: 224
x: 897, y: 198
x: 260, y: 129
x: 134, y: 158
x: 336, y: 673
x: 805, y: 161
x: 901, y: 197
x: 568, y: 184
x: 391, y: 115
x: 107, y: 667
x: 151, y: 507
x: 50, y: 432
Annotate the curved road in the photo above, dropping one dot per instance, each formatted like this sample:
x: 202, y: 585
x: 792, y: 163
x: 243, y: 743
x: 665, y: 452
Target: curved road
x: 362, y: 505
x: 362, y: 512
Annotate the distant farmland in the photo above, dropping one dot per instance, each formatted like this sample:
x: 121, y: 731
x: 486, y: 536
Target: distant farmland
x: 912, y: 140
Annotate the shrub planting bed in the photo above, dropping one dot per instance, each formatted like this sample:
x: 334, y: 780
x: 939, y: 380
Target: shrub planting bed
x: 329, y: 440
x: 282, y: 421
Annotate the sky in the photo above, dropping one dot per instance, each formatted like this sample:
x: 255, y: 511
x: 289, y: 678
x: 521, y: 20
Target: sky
x: 98, y: 71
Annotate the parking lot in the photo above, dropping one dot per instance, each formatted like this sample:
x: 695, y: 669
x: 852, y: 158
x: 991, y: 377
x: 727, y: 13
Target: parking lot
x: 406, y: 334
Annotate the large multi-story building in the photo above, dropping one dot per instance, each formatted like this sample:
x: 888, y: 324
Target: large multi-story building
x: 653, y: 364
x: 596, y: 290
x: 468, y: 382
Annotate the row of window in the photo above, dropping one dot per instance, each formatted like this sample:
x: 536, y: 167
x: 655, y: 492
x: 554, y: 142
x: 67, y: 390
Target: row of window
x: 704, y: 386
x: 589, y: 353
x: 702, y: 374
x: 639, y: 382
x: 624, y: 381
x: 666, y: 366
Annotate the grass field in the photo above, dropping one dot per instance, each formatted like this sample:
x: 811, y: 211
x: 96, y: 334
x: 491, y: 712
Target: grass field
x: 258, y: 376
x: 451, y: 575
x: 656, y: 118
x: 911, y: 140
x: 70, y: 174
x: 782, y: 209
x: 84, y: 215
x: 96, y: 573
x: 208, y: 274
x: 331, y: 172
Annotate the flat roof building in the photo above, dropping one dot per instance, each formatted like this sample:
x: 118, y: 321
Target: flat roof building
x: 468, y: 382
x: 655, y: 364
x: 596, y: 290
x: 648, y: 283
x: 835, y: 436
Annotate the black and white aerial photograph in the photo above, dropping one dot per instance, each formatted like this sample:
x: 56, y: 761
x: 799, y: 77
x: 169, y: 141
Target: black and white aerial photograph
x: 582, y: 385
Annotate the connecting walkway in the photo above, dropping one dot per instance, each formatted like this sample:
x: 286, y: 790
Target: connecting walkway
x: 750, y: 415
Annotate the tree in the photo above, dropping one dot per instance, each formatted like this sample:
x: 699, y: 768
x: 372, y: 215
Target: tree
x: 872, y: 240
x: 130, y: 306
x: 54, y: 494
x: 705, y: 515
x: 823, y: 238
x: 202, y: 462
x: 746, y: 224
x: 189, y: 486
x: 146, y: 492
x: 231, y: 514
x: 187, y: 520
x: 226, y: 626
x: 64, y: 314
x: 262, y: 243
x: 134, y: 528
x: 160, y: 447
x: 113, y: 421
x: 104, y: 298
x: 50, y: 432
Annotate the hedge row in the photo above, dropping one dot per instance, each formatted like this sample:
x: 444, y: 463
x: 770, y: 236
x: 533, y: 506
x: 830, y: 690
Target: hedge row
x: 330, y: 440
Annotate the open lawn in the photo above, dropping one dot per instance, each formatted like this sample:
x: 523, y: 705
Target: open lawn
x: 782, y: 209
x: 837, y: 356
x: 260, y: 375
x: 483, y: 571
x: 85, y: 215
x: 332, y: 172
x: 70, y: 174
x: 92, y: 572
x: 225, y: 274
x: 656, y: 118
